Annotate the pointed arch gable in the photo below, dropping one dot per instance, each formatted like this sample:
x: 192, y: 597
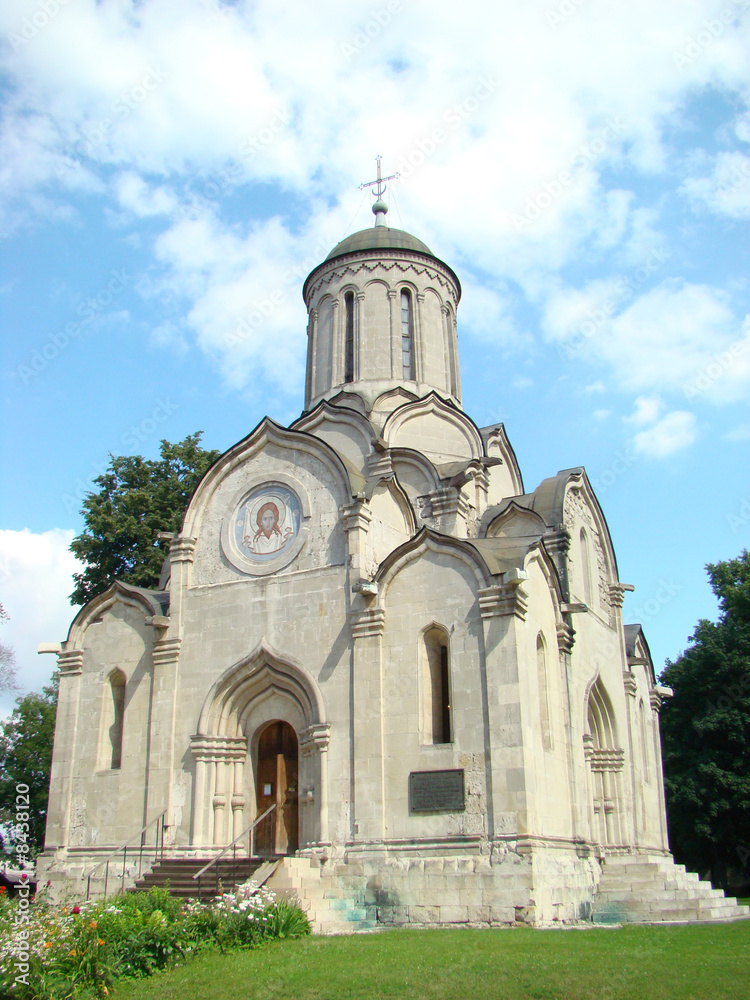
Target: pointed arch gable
x: 515, y: 521
x: 346, y: 430
x: 249, y: 680
x: 415, y: 472
x: 153, y: 604
x: 436, y: 416
x: 497, y: 445
x: 427, y: 540
x: 549, y: 500
x: 266, y: 432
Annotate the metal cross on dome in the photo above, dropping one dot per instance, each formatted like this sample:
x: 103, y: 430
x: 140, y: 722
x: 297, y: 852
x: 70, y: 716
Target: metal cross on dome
x: 380, y: 181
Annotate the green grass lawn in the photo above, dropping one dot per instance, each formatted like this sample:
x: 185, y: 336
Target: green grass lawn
x: 631, y: 963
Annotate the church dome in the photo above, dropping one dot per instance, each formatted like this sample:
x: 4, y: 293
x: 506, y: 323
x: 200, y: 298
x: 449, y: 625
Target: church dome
x: 379, y: 238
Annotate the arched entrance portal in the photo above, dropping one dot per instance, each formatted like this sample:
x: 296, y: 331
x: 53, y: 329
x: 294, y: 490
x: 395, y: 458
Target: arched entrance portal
x: 277, y: 783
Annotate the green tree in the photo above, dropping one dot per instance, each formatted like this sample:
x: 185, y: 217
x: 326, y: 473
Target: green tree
x: 706, y: 734
x: 25, y: 759
x: 137, y: 498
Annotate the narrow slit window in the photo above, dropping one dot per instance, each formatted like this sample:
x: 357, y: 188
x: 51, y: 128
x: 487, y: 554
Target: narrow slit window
x: 349, y: 338
x: 407, y: 336
x: 117, y: 716
x: 437, y: 720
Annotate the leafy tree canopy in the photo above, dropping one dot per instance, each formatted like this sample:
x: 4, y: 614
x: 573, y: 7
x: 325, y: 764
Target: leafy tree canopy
x: 706, y: 735
x: 137, y: 498
x: 25, y: 758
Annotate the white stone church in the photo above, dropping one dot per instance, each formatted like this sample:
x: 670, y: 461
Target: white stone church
x: 368, y: 623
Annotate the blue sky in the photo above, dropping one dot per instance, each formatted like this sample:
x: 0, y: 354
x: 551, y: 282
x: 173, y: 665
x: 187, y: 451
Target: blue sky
x: 169, y: 166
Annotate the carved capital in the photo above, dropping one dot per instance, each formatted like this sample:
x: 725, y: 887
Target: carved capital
x: 557, y: 541
x: 565, y: 637
x: 356, y: 515
x: 70, y: 661
x: 448, y: 501
x: 503, y: 601
x: 629, y: 683
x: 368, y: 623
x: 617, y: 593
x: 315, y: 739
x: 224, y: 749
x: 166, y: 651
x: 182, y: 549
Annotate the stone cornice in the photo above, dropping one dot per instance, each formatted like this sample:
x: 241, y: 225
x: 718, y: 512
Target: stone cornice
x: 403, y: 261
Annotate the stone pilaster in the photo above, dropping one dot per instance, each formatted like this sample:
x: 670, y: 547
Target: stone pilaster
x: 356, y: 518
x: 368, y: 817
x: 313, y: 744
x: 70, y: 662
x: 162, y: 720
x: 219, y: 767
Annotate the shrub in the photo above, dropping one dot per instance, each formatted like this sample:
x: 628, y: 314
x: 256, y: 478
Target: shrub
x: 71, y: 952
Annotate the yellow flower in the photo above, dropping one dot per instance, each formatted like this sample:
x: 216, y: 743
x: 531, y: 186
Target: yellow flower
x: 47, y: 944
x: 92, y: 925
x: 100, y: 941
x: 73, y: 953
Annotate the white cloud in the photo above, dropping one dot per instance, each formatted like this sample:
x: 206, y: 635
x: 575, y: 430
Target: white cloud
x: 667, y: 337
x: 727, y: 189
x: 36, y: 573
x: 647, y: 410
x: 739, y: 433
x: 673, y: 432
x: 171, y: 103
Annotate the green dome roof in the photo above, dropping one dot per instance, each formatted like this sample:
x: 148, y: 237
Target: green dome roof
x: 379, y: 238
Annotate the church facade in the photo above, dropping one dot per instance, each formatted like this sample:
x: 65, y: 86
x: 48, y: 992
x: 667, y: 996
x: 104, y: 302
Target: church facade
x: 369, y: 623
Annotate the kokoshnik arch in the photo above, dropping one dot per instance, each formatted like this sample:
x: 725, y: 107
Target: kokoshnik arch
x: 368, y: 620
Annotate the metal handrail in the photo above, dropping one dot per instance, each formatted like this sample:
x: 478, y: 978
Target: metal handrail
x: 158, y: 849
x: 233, y: 847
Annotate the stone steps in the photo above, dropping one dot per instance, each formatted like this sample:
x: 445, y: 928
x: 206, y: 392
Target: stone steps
x: 331, y: 907
x: 176, y: 874
x: 652, y: 889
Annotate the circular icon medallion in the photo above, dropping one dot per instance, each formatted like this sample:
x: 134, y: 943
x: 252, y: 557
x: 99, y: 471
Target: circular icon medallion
x: 267, y: 522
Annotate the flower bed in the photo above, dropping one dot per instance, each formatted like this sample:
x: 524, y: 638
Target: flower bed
x: 58, y: 952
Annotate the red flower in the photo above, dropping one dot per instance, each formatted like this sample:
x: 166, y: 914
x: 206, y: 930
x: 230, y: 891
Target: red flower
x: 76, y: 909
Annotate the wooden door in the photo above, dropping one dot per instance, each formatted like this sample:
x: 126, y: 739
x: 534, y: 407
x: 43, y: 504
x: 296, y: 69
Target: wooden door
x: 277, y: 775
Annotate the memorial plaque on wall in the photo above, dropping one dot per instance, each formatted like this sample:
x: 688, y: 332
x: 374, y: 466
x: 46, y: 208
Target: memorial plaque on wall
x: 436, y: 791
